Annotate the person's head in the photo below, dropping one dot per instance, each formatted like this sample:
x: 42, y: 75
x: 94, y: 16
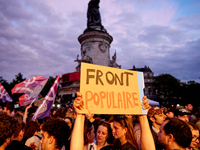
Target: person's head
x: 10, y: 108
x: 174, y: 133
x: 156, y: 116
x: 7, y: 129
x: 170, y: 112
x: 60, y: 113
x: 182, y: 114
x: 19, y: 127
x: 130, y: 117
x: 189, y: 107
x: 31, y: 128
x: 68, y: 120
x: 122, y: 127
x: 55, y: 134
x: 104, y: 133
x: 89, y: 134
x: 195, y: 135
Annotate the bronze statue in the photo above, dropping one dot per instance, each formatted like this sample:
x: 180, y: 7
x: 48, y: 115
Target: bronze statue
x: 94, y: 17
x: 113, y: 62
x: 93, y: 14
x: 85, y: 58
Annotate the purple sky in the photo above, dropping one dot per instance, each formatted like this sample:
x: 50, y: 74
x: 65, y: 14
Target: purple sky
x: 40, y: 37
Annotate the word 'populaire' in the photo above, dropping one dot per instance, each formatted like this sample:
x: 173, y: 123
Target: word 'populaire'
x: 111, y: 99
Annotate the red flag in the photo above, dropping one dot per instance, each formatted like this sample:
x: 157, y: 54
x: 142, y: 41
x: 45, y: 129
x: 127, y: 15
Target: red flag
x: 4, y: 95
x: 31, y: 86
x: 25, y: 99
x: 44, y: 109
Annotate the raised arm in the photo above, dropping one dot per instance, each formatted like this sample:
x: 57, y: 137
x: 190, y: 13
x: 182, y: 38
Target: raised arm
x: 147, y: 142
x: 26, y: 112
x: 77, y: 138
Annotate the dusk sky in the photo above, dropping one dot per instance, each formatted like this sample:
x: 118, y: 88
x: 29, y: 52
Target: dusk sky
x: 39, y: 37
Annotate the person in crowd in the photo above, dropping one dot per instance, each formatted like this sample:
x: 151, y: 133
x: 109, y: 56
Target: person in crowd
x: 189, y: 108
x: 55, y: 134
x: 182, y: 114
x: 170, y: 112
x: 60, y: 113
x: 20, y: 110
x: 68, y: 120
x: 156, y: 118
x: 8, y: 109
x: 147, y: 142
x: 34, y: 141
x: 89, y: 135
x: 124, y: 133
x: 7, y: 130
x: 197, y: 121
x: 195, y: 137
x: 18, y: 136
x: 94, y: 121
x: 174, y: 134
x: 31, y: 129
x: 103, y: 136
x: 137, y: 130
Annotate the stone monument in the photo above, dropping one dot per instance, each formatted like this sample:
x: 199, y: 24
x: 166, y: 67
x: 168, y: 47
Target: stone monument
x: 95, y: 41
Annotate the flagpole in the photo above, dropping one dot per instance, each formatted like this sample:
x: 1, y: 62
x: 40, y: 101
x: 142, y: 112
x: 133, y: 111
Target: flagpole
x: 33, y: 101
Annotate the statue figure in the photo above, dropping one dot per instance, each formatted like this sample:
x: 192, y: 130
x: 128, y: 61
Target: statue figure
x: 94, y: 17
x: 113, y: 62
x: 85, y: 58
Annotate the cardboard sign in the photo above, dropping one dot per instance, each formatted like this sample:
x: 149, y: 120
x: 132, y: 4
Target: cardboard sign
x: 107, y: 90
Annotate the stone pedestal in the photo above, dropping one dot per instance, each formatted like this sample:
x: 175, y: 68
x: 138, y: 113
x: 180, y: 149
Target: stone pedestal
x: 97, y: 46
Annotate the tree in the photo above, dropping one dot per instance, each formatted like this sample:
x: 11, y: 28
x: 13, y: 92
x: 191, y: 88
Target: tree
x: 18, y: 78
x: 48, y: 85
x: 167, y: 87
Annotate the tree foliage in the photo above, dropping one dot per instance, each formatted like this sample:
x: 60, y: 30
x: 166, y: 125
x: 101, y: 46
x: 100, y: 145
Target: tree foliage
x: 167, y: 86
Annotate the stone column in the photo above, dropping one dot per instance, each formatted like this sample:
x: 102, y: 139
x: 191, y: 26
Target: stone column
x: 97, y: 46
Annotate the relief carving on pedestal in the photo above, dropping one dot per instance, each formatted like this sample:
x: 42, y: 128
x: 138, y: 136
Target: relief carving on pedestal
x: 103, y: 47
x: 85, y: 58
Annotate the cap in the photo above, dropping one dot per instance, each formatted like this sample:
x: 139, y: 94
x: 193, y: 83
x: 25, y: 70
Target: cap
x: 181, y: 112
x: 154, y: 111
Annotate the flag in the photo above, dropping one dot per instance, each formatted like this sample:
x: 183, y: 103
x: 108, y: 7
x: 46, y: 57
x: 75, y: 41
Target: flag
x: 4, y: 95
x: 31, y: 86
x: 46, y: 105
x: 26, y: 99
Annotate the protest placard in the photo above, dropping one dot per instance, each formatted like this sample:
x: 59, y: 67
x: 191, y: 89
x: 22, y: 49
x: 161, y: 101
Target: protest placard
x: 107, y: 90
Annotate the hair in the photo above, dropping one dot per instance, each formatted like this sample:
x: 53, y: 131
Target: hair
x: 59, y: 129
x: 192, y: 126
x: 130, y: 134
x: 110, y: 138
x: 30, y: 128
x: 87, y: 128
x: 180, y: 130
x: 60, y: 113
x: 10, y: 107
x: 7, y: 127
x: 19, y: 124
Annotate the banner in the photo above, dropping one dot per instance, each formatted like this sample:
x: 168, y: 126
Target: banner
x: 32, y: 86
x: 107, y: 90
x: 46, y: 105
x: 4, y: 95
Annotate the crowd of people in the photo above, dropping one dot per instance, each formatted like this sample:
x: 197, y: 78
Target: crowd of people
x: 68, y: 129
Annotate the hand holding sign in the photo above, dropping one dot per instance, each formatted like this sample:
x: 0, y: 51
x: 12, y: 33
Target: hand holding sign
x: 145, y: 103
x: 78, y: 103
